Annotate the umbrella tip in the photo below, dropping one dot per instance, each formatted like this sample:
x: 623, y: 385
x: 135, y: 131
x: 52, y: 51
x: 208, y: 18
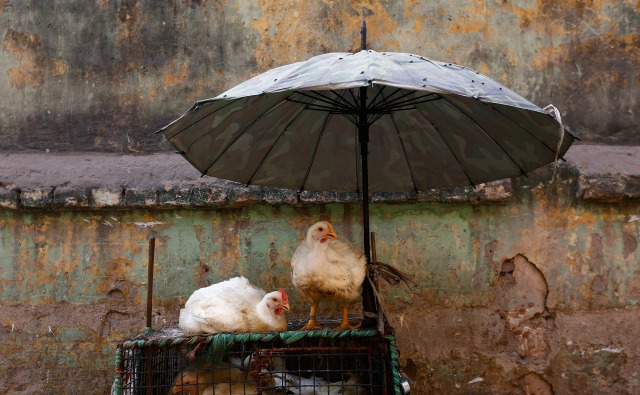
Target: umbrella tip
x: 363, y: 35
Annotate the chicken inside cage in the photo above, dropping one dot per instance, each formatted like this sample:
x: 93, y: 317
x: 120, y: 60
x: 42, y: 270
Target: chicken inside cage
x: 307, y: 366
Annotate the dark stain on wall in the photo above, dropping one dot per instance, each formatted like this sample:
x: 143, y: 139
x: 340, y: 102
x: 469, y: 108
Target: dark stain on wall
x: 103, y: 75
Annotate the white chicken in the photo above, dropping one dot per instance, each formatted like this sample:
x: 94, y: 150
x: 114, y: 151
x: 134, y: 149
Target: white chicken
x: 327, y: 268
x: 316, y: 385
x: 192, y: 381
x: 234, y: 306
x: 204, y: 377
x: 224, y: 380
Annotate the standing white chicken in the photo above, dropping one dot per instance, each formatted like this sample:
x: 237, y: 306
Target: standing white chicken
x: 234, y: 306
x: 327, y: 268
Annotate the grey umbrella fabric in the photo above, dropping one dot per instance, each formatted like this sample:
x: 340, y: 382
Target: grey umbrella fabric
x: 431, y: 125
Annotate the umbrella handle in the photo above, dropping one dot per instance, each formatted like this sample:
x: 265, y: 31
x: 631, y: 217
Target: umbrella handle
x: 553, y: 110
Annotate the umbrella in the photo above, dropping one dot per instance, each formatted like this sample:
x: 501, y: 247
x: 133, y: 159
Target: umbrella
x: 368, y: 122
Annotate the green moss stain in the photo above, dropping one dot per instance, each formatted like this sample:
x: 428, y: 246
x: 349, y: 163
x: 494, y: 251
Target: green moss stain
x: 453, y: 251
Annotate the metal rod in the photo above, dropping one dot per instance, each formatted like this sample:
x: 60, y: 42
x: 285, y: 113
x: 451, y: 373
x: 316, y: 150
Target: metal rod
x: 147, y: 352
x: 152, y: 245
x: 369, y: 306
x: 363, y: 137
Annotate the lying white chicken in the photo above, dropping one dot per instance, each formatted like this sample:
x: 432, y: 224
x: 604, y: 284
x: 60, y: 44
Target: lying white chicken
x: 192, y: 381
x: 234, y: 306
x: 204, y: 377
x: 327, y: 268
x: 227, y: 379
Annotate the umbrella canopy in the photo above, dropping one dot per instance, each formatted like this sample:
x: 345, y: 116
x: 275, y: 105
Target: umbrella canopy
x: 430, y: 125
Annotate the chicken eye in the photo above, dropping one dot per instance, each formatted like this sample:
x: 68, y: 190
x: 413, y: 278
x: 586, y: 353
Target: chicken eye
x: 320, y: 229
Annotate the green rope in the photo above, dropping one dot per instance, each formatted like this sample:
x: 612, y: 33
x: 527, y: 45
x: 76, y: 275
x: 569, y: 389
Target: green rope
x: 117, y: 381
x: 292, y: 337
x: 218, y: 345
x: 270, y: 336
x: 287, y: 337
x: 395, y: 355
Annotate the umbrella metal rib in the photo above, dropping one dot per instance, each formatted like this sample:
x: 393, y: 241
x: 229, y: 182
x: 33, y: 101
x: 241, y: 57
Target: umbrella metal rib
x: 376, y: 107
x: 324, y: 99
x: 524, y: 173
x: 269, y: 110
x: 315, y: 151
x: 453, y: 152
x: 284, y: 129
x: 194, y: 109
x: 527, y: 131
x: 404, y: 151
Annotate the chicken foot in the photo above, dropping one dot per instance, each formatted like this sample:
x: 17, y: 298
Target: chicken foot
x: 344, y: 325
x: 312, y: 323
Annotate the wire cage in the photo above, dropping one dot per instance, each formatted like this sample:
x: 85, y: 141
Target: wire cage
x: 309, y: 362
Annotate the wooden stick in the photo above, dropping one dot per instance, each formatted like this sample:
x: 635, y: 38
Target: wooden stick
x: 152, y: 244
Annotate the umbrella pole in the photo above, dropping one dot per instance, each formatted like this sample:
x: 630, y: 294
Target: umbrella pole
x: 369, y: 307
x: 363, y: 137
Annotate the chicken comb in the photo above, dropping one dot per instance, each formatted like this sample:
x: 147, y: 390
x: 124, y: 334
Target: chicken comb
x: 285, y: 297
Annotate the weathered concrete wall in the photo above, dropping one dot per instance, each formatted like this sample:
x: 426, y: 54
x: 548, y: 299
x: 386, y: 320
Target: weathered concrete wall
x: 103, y: 75
x: 529, y: 285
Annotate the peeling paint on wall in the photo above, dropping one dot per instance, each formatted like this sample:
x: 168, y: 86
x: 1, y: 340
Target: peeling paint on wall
x: 495, y: 280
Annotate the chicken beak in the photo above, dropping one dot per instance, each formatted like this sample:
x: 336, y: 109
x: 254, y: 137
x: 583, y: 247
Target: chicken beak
x: 285, y: 306
x: 330, y: 235
x: 327, y: 234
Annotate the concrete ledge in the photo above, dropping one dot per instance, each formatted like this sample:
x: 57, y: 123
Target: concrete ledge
x: 607, y: 173
x: 165, y: 180
x: 609, y: 188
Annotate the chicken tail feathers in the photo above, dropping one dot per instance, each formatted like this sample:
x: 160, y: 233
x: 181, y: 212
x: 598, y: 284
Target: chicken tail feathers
x: 390, y: 274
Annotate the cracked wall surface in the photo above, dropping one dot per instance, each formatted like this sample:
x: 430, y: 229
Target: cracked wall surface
x: 533, y: 293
